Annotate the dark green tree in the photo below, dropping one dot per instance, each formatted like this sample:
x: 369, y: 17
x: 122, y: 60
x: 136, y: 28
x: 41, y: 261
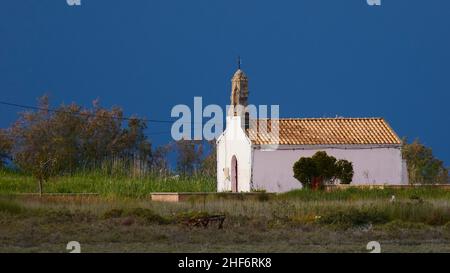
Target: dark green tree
x: 305, y: 169
x: 315, y: 171
x: 325, y: 165
x: 344, y: 171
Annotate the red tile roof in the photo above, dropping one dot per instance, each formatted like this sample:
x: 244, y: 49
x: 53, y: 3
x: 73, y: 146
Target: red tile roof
x: 326, y: 131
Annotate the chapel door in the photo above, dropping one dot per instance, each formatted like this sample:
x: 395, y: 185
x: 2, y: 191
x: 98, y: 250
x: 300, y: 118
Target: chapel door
x: 234, y: 174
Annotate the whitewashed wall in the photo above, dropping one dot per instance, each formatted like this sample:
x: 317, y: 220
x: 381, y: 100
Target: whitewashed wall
x: 233, y: 141
x: 272, y: 170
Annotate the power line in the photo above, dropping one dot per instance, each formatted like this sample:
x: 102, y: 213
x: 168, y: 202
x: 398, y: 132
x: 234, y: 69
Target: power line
x: 81, y: 114
x: 87, y: 114
x: 158, y: 133
x: 23, y: 106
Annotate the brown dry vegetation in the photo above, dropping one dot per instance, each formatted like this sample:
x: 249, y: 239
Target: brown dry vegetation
x: 282, y: 224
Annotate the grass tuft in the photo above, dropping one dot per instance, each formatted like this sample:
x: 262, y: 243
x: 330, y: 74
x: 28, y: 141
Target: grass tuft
x: 10, y: 207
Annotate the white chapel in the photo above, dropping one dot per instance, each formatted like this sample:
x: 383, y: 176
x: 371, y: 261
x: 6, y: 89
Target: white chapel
x: 249, y: 159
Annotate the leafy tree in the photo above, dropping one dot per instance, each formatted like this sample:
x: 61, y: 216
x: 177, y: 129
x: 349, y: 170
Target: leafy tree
x: 423, y: 167
x: 159, y: 162
x: 5, y: 146
x: 314, y: 171
x: 189, y: 156
x: 209, y: 163
x: 134, y: 142
x: 104, y: 139
x: 50, y: 142
x: 36, y: 145
x: 65, y: 126
x: 100, y: 138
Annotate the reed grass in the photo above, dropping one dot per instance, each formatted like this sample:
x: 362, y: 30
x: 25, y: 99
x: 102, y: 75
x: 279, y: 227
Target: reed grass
x: 96, y: 181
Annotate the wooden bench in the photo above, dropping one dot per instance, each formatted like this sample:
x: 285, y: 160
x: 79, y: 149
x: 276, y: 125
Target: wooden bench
x: 204, y: 221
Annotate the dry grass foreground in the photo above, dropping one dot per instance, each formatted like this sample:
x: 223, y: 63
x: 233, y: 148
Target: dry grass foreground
x: 299, y: 221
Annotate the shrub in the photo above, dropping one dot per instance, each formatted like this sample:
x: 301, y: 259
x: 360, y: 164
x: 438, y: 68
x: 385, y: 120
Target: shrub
x: 191, y: 215
x: 437, y: 218
x: 399, y: 225
x: 148, y: 216
x: 447, y: 226
x: 113, y: 213
x: 65, y: 215
x: 355, y: 217
x: 263, y: 197
x: 10, y: 207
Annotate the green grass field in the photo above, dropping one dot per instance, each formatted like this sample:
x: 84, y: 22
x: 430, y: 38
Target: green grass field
x: 105, y: 185
x: 123, y: 219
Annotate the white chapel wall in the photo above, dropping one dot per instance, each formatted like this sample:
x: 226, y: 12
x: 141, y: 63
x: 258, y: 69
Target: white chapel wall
x: 233, y: 142
x: 272, y: 170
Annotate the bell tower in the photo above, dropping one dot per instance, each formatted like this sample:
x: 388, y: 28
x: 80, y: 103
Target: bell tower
x: 239, y: 91
x: 239, y: 97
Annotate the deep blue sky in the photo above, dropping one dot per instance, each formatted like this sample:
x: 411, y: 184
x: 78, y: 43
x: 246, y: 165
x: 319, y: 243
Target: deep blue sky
x: 315, y: 58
